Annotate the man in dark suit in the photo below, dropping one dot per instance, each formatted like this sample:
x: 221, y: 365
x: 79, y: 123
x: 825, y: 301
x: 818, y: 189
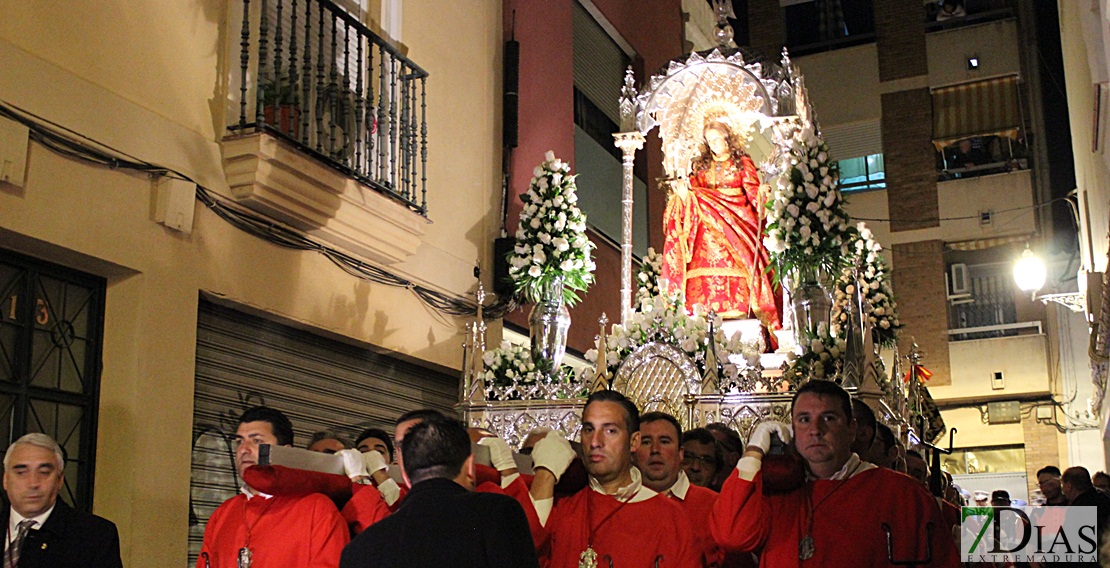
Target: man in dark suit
x: 441, y: 522
x: 1077, y: 487
x: 42, y: 531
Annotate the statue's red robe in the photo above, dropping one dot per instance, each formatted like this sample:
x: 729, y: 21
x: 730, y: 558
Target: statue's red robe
x: 713, y: 248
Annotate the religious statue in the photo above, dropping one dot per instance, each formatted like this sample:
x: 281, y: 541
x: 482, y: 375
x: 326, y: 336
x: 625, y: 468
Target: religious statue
x: 713, y: 228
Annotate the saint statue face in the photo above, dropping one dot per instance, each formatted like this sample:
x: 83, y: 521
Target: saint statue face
x: 716, y: 138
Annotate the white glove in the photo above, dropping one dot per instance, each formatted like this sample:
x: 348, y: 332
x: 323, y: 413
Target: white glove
x: 353, y: 464
x: 499, y: 453
x: 761, y: 436
x: 374, y: 461
x: 553, y: 453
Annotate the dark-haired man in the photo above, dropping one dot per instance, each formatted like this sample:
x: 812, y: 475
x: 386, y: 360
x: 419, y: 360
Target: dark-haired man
x: 836, y: 517
x: 885, y: 451
x: 369, y: 505
x: 616, y: 519
x: 374, y: 452
x: 256, y: 529
x: 1048, y: 479
x: 730, y: 446
x: 1076, y: 485
x: 375, y: 440
x: 441, y: 522
x: 659, y: 459
x: 701, y: 457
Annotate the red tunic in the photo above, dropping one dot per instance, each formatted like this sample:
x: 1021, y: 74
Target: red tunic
x: 698, y: 505
x: 713, y: 250
x: 847, y: 521
x: 285, y: 532
x: 637, y: 535
x: 366, y: 507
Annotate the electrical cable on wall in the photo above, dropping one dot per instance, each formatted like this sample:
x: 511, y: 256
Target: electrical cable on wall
x: 73, y: 145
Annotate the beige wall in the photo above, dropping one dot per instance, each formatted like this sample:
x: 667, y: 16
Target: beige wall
x: 1023, y: 361
x: 994, y: 43
x: 156, y: 71
x: 840, y: 96
x: 1092, y: 174
x: 1009, y: 196
x: 972, y: 433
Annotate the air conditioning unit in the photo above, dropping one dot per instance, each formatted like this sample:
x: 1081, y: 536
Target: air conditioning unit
x: 960, y: 283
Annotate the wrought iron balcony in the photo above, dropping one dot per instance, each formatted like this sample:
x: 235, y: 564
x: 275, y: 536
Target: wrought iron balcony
x: 313, y: 75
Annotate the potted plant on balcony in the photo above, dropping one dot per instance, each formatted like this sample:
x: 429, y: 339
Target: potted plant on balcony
x: 281, y: 105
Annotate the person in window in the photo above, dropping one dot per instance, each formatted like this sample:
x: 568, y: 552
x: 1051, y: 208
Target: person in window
x: 951, y: 9
x: 967, y: 156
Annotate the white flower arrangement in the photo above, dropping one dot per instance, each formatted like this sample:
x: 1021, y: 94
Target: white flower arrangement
x: 551, y: 239
x: 820, y: 358
x: 512, y: 365
x: 664, y: 319
x: 874, y: 284
x: 807, y: 226
x: 647, y: 277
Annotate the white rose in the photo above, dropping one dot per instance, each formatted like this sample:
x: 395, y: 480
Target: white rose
x: 812, y: 207
x: 816, y: 346
x: 567, y: 265
x: 549, y: 156
x: 805, y: 231
x: 545, y: 238
x: 534, y: 223
x: 539, y: 257
x: 534, y: 271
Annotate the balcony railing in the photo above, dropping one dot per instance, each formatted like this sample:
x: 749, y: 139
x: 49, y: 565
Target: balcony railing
x: 986, y: 311
x: 312, y: 74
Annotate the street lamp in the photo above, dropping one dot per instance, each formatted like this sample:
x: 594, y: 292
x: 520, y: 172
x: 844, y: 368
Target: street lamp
x: 1030, y: 272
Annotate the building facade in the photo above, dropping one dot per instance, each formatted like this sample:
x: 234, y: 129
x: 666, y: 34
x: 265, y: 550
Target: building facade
x: 938, y: 125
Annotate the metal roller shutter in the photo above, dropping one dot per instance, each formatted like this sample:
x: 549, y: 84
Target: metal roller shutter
x: 244, y: 360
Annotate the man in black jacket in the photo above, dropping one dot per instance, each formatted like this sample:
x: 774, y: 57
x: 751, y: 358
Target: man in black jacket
x: 42, y: 531
x: 1077, y: 487
x: 441, y: 522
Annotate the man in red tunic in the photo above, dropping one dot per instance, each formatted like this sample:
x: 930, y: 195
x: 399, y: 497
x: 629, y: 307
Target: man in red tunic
x: 659, y: 459
x: 617, y: 519
x: 274, y: 531
x: 843, y: 514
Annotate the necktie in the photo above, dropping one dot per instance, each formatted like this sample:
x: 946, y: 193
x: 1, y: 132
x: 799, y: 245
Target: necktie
x: 11, y: 557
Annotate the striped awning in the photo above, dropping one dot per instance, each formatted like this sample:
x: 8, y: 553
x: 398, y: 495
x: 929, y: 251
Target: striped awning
x: 982, y: 108
x: 984, y: 244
